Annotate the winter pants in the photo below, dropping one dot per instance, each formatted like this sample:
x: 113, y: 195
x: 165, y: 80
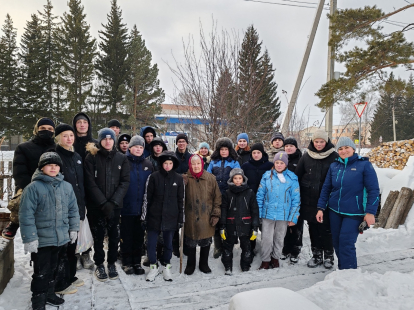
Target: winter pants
x: 227, y: 256
x: 273, y: 235
x: 66, y: 270
x: 320, y: 234
x: 345, y: 233
x: 152, y: 245
x: 45, y: 263
x: 98, y: 224
x: 293, y: 239
x: 132, y: 239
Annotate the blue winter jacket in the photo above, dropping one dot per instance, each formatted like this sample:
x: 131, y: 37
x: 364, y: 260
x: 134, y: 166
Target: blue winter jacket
x: 351, y: 187
x: 279, y: 201
x: 48, y: 210
x: 140, y: 169
x: 221, y: 169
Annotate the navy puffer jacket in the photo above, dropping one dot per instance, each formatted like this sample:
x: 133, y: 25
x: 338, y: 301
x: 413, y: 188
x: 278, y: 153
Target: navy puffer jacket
x: 221, y: 169
x: 254, y: 170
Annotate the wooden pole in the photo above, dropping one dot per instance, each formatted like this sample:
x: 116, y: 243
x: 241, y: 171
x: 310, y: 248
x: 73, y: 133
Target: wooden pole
x: 387, y: 208
x: 400, y: 205
x: 181, y: 248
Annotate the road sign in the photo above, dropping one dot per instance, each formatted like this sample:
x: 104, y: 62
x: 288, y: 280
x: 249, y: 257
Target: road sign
x: 360, y: 107
x: 356, y: 141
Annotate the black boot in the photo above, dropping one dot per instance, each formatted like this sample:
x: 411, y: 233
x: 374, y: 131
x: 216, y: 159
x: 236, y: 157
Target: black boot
x: 316, y: 259
x: 218, y: 243
x: 191, y: 261
x: 203, y: 264
x: 328, y: 261
x: 138, y: 269
x: 52, y: 298
x: 39, y: 301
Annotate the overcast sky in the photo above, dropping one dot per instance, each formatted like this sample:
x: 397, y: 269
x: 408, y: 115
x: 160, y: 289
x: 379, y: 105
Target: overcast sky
x: 165, y: 23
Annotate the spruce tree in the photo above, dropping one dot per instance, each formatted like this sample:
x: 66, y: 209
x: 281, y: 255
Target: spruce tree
x: 111, y: 63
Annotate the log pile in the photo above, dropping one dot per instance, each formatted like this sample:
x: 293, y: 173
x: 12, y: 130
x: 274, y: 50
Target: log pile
x: 392, y: 154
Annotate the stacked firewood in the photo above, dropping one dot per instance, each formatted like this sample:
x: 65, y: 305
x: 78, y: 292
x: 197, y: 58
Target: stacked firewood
x: 392, y: 154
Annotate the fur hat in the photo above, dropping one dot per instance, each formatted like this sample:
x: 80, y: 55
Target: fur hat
x: 169, y: 155
x: 114, y: 122
x: 320, y: 134
x: 136, y: 140
x: 181, y: 136
x: 50, y: 158
x: 291, y: 141
x: 345, y: 141
x: 277, y: 135
x: 244, y: 136
x: 283, y: 156
x: 234, y: 172
x: 224, y: 142
x: 63, y: 127
x: 106, y: 133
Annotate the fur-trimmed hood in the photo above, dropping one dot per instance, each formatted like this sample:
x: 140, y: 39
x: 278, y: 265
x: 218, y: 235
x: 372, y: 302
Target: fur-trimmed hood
x: 92, y: 148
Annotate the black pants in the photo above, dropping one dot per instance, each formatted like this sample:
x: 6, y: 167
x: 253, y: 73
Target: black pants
x: 45, y: 263
x: 98, y: 224
x: 293, y: 239
x: 66, y: 270
x: 227, y: 255
x: 132, y: 239
x: 320, y: 234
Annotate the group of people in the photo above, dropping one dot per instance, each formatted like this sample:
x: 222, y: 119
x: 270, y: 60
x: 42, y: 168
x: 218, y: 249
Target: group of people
x: 139, y: 194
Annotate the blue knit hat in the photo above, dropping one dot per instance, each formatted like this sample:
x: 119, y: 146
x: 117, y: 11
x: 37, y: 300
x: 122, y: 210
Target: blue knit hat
x: 244, y: 136
x: 345, y: 141
x: 106, y: 133
x: 204, y: 144
x: 283, y: 156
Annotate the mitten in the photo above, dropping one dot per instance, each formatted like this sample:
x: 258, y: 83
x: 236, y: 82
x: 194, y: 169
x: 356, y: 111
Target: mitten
x: 73, y: 235
x: 223, y: 233
x: 31, y: 247
x: 254, y: 235
x: 214, y: 220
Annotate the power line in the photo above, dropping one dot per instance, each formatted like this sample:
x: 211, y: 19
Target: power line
x: 285, y: 4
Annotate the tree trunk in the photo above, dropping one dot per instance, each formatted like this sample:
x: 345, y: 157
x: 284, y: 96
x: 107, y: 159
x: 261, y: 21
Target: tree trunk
x: 399, y: 208
x: 386, y: 209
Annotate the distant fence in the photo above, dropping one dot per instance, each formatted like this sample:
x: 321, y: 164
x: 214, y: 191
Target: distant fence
x: 6, y: 175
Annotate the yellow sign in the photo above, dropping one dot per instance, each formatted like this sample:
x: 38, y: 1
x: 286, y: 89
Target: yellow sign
x: 356, y: 141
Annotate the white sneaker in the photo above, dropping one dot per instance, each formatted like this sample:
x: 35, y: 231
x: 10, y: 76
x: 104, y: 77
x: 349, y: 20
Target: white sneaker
x: 69, y: 290
x: 166, y: 273
x: 78, y: 282
x: 154, y: 271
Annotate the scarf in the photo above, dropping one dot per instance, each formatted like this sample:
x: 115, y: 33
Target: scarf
x: 325, y: 152
x: 199, y: 174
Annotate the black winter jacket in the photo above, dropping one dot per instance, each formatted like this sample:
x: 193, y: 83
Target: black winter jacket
x: 26, y: 160
x: 311, y: 175
x: 106, y: 177
x: 254, y: 170
x: 293, y: 160
x: 163, y: 206
x: 244, y: 156
x: 72, y: 171
x: 81, y: 142
x: 183, y: 158
x: 154, y: 161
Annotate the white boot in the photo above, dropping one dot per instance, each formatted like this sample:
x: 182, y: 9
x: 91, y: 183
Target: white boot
x: 78, y: 262
x: 166, y: 273
x: 152, y: 273
x: 86, y: 261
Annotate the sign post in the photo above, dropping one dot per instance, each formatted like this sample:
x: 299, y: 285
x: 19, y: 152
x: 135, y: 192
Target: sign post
x: 360, y: 108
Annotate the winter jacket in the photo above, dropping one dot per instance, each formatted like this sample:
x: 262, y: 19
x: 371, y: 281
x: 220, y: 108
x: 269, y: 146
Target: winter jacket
x: 140, y: 169
x: 239, y: 210
x: 311, y: 175
x: 221, y: 170
x: 26, y: 159
x: 183, y: 158
x: 48, y: 211
x: 163, y: 206
x: 81, y: 142
x: 154, y: 162
x: 279, y: 201
x: 144, y: 130
x: 272, y: 151
x: 350, y: 187
x: 206, y: 159
x: 244, y: 155
x: 202, y: 201
x: 72, y: 171
x: 254, y: 170
x: 106, y: 177
x: 293, y: 160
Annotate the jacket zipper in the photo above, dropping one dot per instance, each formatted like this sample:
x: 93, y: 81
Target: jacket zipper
x: 337, y: 175
x: 357, y: 202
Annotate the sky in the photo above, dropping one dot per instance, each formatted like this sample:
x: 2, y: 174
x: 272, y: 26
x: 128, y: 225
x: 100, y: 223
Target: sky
x: 284, y: 30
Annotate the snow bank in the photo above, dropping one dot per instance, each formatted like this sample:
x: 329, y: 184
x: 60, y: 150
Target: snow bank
x: 354, y: 289
x: 270, y: 299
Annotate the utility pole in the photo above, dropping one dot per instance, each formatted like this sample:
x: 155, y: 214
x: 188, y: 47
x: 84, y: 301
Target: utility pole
x: 331, y: 72
x: 288, y: 114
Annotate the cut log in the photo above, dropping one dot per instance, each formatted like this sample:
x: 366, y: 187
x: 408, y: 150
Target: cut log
x: 407, y: 210
x: 399, y: 208
x: 387, y: 208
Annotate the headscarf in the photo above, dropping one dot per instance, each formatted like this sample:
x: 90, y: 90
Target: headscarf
x: 196, y: 175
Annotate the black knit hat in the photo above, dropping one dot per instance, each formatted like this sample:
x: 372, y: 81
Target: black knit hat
x: 292, y: 141
x: 63, y: 127
x: 257, y: 147
x: 50, y: 158
x: 45, y: 121
x: 277, y: 135
x: 169, y: 155
x: 114, y: 122
x: 181, y: 136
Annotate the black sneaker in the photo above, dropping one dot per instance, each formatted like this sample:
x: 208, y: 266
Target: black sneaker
x: 54, y: 300
x: 138, y: 269
x: 100, y: 273
x: 113, y: 274
x: 146, y: 262
x: 128, y: 269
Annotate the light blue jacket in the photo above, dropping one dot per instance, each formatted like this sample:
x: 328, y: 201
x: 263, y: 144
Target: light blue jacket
x: 279, y: 201
x: 48, y: 210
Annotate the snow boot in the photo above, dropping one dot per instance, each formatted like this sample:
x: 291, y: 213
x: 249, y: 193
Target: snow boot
x: 78, y: 282
x: 112, y: 273
x: 203, y: 263
x: 71, y: 289
x: 284, y: 256
x: 86, y: 261
x: 166, y: 273
x: 218, y: 243
x: 10, y: 231
x: 264, y: 265
x: 294, y: 259
x: 52, y: 298
x: 152, y: 273
x: 316, y: 259
x: 100, y: 273
x: 78, y: 262
x: 228, y: 271
x: 274, y: 263
x: 328, y: 261
x: 128, y: 269
x: 191, y: 261
x: 39, y: 301
x: 138, y: 270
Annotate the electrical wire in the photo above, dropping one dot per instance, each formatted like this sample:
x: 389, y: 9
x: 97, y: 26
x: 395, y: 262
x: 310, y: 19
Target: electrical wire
x: 285, y: 4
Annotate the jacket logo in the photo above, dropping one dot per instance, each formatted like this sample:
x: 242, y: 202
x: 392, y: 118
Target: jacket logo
x: 119, y: 167
x: 353, y: 169
x: 175, y: 184
x: 79, y: 162
x: 146, y: 168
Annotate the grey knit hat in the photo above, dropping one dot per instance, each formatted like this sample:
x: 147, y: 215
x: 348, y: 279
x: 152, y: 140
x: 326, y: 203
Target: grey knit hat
x: 277, y: 135
x: 236, y: 171
x: 320, y: 134
x: 345, y: 141
x: 136, y: 140
x: 283, y: 156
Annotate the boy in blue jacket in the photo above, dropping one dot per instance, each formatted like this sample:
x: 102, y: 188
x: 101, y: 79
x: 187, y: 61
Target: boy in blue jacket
x: 49, y: 219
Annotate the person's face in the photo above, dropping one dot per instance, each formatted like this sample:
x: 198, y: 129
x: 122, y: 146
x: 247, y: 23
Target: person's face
x: 257, y: 155
x: 168, y: 165
x: 238, y: 180
x: 204, y: 151
x: 242, y: 143
x: 181, y: 145
x: 149, y: 137
x: 51, y: 170
x: 345, y: 151
x: 277, y: 143
x: 123, y: 146
x: 107, y: 143
x: 82, y: 126
x: 319, y: 144
x: 157, y: 150
x: 196, y: 165
x: 280, y: 166
x: 136, y: 150
x: 224, y: 152
x: 46, y: 127
x: 116, y: 129
x: 67, y: 138
x: 290, y: 149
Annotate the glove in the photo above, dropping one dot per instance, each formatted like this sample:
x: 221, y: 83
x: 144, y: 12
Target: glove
x: 108, y: 209
x: 144, y: 225
x: 180, y: 225
x: 214, y: 220
x: 223, y: 233
x: 73, y: 235
x: 31, y: 247
x: 254, y: 235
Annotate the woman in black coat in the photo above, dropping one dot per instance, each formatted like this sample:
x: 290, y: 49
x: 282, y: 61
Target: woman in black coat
x: 242, y: 148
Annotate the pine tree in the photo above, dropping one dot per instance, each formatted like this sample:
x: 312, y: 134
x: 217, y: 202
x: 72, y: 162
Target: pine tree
x: 111, y: 64
x: 143, y: 92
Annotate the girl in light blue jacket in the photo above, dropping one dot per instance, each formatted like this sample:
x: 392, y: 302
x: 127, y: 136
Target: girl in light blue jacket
x: 278, y: 198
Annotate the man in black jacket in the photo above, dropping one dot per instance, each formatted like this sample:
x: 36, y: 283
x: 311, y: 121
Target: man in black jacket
x: 25, y: 162
x: 83, y: 133
x: 106, y: 183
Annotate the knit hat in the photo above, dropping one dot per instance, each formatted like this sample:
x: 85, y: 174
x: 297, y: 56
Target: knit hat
x: 291, y: 141
x: 63, y: 127
x: 168, y: 155
x: 204, y: 144
x: 345, y: 141
x: 320, y: 134
x: 136, y: 140
x: 80, y: 116
x: 283, y: 156
x: 106, y: 133
x: 50, y: 158
x: 277, y: 135
x: 258, y: 147
x: 243, y: 136
x: 45, y: 121
x: 114, y: 122
x: 124, y: 137
x: 181, y: 136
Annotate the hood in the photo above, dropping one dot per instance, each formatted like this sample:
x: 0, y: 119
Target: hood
x: 145, y: 129
x: 40, y: 176
x: 89, y: 134
x: 159, y: 140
